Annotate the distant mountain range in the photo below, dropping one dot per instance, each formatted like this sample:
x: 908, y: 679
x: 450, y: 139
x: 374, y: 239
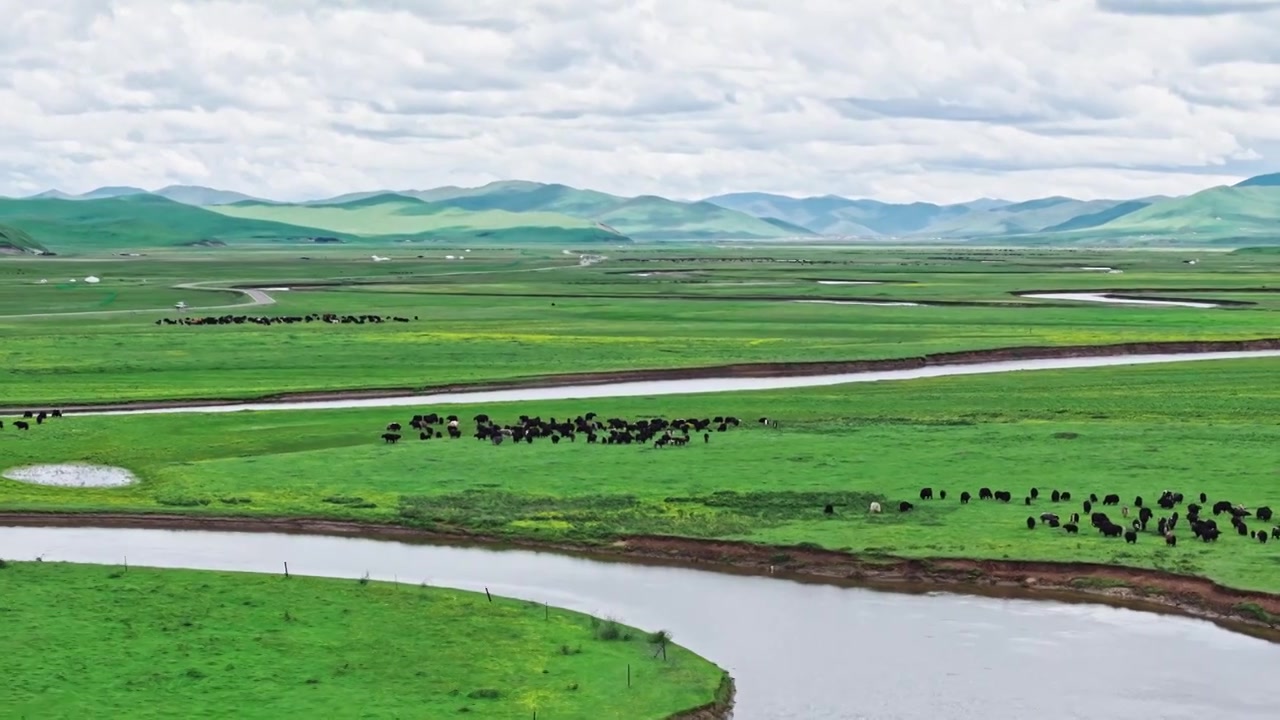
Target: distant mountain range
x: 522, y: 211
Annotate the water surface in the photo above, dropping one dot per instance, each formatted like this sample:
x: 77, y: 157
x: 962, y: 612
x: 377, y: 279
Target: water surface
x: 797, y: 651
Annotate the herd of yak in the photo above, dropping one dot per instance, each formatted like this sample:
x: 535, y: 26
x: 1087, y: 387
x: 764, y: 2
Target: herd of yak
x: 681, y: 431
x: 1205, y: 528
x: 612, y: 431
x: 32, y: 415
x: 330, y: 318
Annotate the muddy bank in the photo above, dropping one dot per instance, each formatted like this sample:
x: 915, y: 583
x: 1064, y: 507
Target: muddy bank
x: 1253, y: 612
x: 741, y: 370
x: 719, y: 709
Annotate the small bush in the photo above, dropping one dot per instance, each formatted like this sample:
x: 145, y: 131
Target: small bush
x: 235, y: 501
x: 3, y: 563
x: 484, y: 694
x: 182, y: 501
x: 610, y: 629
x: 364, y: 580
x: 343, y: 500
x: 195, y: 674
x: 566, y: 650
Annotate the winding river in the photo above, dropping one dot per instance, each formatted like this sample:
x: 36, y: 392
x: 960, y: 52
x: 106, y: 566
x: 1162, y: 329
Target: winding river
x: 703, y: 385
x: 798, y: 651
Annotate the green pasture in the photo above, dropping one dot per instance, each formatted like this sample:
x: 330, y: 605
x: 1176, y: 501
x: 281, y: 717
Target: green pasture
x: 504, y: 314
x: 1202, y: 426
x: 92, y: 641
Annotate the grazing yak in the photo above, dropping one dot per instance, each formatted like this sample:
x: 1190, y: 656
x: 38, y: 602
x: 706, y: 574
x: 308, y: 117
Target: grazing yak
x: 22, y: 424
x: 904, y: 506
x: 874, y: 508
x: 1031, y: 523
x: 390, y: 437
x: 964, y: 497
x: 926, y: 493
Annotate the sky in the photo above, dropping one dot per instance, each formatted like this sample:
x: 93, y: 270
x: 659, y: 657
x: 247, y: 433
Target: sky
x: 899, y: 100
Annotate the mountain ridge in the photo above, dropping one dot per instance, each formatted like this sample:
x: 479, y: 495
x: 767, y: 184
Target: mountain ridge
x: 1248, y: 209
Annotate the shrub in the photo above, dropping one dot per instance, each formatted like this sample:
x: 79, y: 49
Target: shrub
x: 484, y: 694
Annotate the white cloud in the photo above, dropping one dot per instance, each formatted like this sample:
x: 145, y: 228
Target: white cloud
x: 898, y: 99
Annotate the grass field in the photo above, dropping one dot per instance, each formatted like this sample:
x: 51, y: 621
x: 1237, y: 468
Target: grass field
x: 148, y: 643
x: 521, y: 312
x: 504, y: 313
x: 1210, y: 426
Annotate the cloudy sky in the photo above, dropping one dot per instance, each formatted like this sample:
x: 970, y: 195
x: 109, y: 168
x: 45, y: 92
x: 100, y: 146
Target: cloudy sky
x: 939, y: 100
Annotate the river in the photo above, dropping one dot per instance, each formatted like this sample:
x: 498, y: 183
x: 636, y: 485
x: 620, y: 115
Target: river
x: 703, y: 385
x: 798, y: 651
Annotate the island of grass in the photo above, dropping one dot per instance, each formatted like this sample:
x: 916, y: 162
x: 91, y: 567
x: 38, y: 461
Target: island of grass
x: 93, y: 641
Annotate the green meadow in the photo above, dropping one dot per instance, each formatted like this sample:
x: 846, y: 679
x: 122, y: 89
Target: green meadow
x: 504, y: 314
x: 1202, y: 426
x: 146, y: 643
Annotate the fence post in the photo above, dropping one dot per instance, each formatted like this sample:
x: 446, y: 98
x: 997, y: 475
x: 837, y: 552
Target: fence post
x: 286, y: 569
x: 486, y: 594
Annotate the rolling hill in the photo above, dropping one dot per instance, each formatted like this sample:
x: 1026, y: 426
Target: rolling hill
x: 834, y: 215
x: 202, y: 196
x: 524, y: 211
x: 397, y: 216
x: 1240, y: 211
x: 13, y: 240
x: 134, y: 221
x: 646, y: 217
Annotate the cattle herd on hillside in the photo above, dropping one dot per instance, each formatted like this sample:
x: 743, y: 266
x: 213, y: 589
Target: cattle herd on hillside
x: 328, y: 318
x: 593, y: 429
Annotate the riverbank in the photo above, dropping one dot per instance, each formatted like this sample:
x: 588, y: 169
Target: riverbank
x: 742, y: 370
x: 205, y: 643
x: 1257, y: 613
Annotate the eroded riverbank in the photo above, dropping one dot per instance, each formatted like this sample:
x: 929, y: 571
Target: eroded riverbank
x: 1255, y: 612
x: 792, y: 641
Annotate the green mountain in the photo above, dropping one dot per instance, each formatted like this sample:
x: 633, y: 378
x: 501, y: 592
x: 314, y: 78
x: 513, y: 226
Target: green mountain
x: 1241, y: 211
x: 398, y: 216
x: 1270, y: 180
x: 643, y: 217
x: 15, y: 241
x: 202, y: 196
x: 134, y: 221
x: 1248, y: 210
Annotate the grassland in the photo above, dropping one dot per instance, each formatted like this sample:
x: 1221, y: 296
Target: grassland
x: 507, y: 313
x: 147, y: 643
x: 1208, y: 426
x: 504, y: 314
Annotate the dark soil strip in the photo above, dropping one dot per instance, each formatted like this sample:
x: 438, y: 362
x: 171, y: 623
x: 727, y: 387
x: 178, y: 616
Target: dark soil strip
x: 780, y: 369
x: 1256, y: 613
